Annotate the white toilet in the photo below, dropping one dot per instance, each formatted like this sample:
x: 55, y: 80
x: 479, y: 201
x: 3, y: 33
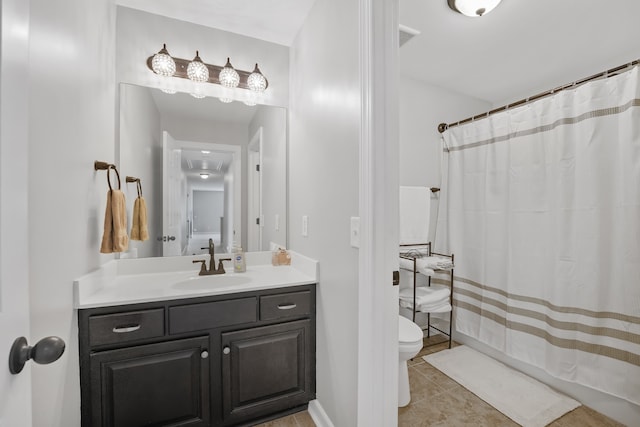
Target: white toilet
x: 409, y: 345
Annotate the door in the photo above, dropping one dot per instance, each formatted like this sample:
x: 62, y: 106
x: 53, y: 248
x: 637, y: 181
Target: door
x: 15, y: 400
x: 157, y: 384
x: 255, y: 218
x: 266, y: 369
x: 171, y: 200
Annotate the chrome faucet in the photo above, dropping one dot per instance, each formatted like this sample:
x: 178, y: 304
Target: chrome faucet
x: 212, y: 262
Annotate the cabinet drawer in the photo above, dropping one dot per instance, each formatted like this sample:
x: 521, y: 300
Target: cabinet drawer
x: 124, y: 327
x: 210, y: 315
x: 285, y: 305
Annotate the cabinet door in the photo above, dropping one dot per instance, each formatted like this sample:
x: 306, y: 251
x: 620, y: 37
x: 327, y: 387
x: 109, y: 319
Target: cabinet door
x: 164, y: 384
x: 266, y: 370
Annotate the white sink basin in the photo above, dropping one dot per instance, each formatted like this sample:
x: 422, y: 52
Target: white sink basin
x: 208, y: 282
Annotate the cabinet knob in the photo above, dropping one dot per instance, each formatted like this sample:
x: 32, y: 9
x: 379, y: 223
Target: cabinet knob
x: 204, y: 354
x: 226, y: 350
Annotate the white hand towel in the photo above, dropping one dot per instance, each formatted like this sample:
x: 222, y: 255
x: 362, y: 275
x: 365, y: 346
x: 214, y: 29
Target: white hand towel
x: 414, y: 214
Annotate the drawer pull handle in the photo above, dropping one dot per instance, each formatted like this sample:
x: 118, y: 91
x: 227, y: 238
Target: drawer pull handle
x: 286, y: 306
x: 125, y: 329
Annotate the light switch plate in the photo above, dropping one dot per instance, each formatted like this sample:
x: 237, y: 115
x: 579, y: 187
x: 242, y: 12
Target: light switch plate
x: 355, y: 231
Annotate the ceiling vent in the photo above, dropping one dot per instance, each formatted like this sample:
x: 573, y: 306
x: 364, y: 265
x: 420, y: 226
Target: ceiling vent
x: 406, y: 34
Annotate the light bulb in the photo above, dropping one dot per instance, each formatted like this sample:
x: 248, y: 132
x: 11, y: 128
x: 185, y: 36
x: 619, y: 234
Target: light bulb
x: 256, y: 81
x: 162, y: 63
x: 197, y: 71
x: 228, y: 76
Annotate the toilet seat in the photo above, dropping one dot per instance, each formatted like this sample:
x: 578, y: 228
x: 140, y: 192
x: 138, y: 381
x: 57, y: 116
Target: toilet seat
x: 408, y: 332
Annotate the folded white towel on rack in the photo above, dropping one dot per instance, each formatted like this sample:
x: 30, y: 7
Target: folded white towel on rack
x: 426, y: 295
x: 439, y: 308
x: 421, y: 267
x: 437, y: 263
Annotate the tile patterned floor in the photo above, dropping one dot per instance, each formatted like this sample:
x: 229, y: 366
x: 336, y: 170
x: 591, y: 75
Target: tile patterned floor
x: 437, y: 400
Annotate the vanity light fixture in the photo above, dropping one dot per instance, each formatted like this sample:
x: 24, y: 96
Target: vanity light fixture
x: 473, y: 8
x: 197, y: 71
x: 165, y: 65
x: 228, y: 76
x: 162, y: 63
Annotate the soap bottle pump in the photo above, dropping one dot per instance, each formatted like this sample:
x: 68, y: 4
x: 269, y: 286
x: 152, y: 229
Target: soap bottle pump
x: 239, y: 261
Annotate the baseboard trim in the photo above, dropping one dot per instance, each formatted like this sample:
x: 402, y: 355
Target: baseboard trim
x: 318, y: 415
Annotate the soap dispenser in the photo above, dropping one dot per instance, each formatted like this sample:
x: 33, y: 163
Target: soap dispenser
x: 239, y: 261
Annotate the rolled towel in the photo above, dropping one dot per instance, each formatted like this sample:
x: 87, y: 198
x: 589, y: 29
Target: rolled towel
x: 438, y: 308
x: 115, y: 238
x: 139, y: 228
x: 421, y: 266
x: 426, y: 295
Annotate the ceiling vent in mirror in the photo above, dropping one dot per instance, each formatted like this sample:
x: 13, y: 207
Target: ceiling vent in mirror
x: 165, y: 65
x: 473, y: 8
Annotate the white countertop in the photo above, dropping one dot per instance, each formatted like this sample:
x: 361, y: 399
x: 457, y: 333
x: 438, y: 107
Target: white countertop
x: 131, y: 281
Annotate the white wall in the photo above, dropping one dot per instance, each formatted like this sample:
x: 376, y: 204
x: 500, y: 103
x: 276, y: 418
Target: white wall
x: 422, y: 108
x: 323, y: 184
x: 139, y: 153
x: 15, y: 390
x: 141, y: 34
x: 274, y: 172
x: 71, y: 123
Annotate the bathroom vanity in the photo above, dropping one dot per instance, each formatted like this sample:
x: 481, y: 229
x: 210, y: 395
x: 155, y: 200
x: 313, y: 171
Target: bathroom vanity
x: 232, y: 350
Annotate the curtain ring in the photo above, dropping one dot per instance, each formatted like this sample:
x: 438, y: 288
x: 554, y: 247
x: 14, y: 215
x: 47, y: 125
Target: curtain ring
x: 109, y: 177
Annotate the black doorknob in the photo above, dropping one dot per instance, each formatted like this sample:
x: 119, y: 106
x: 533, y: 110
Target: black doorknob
x: 47, y: 350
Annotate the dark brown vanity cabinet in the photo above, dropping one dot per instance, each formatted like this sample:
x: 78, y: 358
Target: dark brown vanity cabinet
x: 210, y: 361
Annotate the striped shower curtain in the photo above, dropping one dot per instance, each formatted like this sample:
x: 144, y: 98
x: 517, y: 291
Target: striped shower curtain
x: 541, y: 207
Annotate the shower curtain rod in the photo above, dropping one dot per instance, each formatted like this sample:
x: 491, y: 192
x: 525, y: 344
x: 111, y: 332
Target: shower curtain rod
x: 605, y: 74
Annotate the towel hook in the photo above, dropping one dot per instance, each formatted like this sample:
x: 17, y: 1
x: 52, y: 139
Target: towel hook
x: 137, y: 181
x: 98, y: 165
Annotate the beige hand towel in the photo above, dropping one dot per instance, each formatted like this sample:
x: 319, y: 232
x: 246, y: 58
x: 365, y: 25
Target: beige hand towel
x: 115, y: 237
x: 139, y: 228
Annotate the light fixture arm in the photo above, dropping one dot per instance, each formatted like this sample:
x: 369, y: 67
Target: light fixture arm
x: 214, y: 71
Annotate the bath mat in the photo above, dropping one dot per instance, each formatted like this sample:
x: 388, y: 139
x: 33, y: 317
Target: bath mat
x: 525, y: 400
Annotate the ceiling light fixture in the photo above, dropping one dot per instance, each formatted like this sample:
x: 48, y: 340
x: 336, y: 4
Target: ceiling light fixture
x: 473, y: 8
x: 204, y: 175
x: 162, y: 63
x: 228, y: 76
x: 197, y: 71
x: 165, y: 65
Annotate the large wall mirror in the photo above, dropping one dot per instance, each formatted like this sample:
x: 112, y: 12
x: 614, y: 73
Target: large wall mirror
x: 208, y: 169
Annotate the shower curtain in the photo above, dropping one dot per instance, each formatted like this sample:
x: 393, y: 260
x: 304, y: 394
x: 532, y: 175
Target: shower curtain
x: 541, y: 207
